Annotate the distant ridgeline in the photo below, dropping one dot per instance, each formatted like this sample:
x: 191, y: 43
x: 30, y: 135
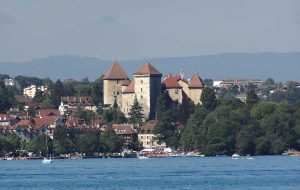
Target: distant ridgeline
x: 280, y: 66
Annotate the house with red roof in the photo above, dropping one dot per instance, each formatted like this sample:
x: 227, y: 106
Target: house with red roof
x: 146, y: 136
x: 126, y: 131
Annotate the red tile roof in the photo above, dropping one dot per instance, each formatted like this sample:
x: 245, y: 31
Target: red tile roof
x: 196, y: 82
x: 39, y: 122
x: 147, y: 69
x: 171, y: 82
x: 48, y: 112
x: 115, y: 72
x: 130, y: 88
x: 123, y: 129
x: 24, y: 122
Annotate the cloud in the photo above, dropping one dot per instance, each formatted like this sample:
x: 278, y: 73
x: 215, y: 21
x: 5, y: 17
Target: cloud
x: 108, y: 20
x: 6, y: 20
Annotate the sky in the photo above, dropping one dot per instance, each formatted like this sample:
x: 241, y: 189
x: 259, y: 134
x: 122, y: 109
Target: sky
x: 144, y: 29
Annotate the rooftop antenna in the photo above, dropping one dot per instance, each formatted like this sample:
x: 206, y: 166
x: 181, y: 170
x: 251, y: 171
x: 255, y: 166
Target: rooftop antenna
x: 181, y: 73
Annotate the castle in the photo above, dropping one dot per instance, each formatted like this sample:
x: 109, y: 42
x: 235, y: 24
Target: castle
x: 145, y: 87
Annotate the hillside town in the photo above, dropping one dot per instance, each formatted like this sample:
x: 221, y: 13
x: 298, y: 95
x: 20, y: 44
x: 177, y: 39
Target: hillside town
x: 128, y: 112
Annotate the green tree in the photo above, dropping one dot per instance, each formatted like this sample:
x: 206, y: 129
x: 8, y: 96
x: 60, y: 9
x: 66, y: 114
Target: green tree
x: 193, y: 136
x: 39, y: 146
x: 64, y: 140
x: 7, y: 98
x: 136, y: 115
x: 97, y: 91
x: 246, y: 139
x: 251, y: 98
x: 88, y: 142
x: 110, y: 142
x: 208, y: 99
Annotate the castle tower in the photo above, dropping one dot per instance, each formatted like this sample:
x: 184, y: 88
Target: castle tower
x: 112, y: 85
x: 196, y: 86
x: 147, y: 88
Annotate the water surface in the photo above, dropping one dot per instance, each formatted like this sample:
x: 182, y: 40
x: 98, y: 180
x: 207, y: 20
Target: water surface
x: 265, y: 172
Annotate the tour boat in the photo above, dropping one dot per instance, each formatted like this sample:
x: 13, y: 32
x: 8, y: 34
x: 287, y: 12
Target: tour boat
x: 235, y: 156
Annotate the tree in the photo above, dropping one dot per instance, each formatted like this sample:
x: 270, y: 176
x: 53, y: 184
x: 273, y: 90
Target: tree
x: 64, y: 140
x: 97, y: 91
x: 110, y: 142
x: 193, y: 136
x: 208, y: 99
x: 39, y: 146
x: 88, y: 142
x: 165, y: 116
x: 163, y: 103
x: 269, y: 81
x: 7, y: 98
x: 136, y: 115
x: 56, y: 91
x: 246, y: 139
x: 251, y: 98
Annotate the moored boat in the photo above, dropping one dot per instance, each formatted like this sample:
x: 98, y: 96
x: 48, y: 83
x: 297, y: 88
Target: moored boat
x: 235, y: 156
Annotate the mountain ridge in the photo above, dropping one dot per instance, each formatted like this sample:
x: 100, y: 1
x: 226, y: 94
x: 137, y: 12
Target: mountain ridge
x: 280, y: 66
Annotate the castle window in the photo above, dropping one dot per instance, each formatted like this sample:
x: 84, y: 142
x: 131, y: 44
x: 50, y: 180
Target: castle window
x: 141, y: 90
x: 117, y: 93
x: 142, y: 81
x: 176, y: 91
x: 114, y: 93
x: 117, y: 81
x: 141, y: 96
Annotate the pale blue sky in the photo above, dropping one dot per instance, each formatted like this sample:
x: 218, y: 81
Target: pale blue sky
x: 137, y: 29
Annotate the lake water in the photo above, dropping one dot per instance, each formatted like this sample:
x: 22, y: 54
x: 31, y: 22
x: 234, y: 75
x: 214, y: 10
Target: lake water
x: 265, y: 172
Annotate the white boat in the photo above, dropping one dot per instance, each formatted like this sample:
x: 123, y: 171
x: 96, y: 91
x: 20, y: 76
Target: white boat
x: 142, y: 157
x: 249, y: 158
x: 9, y: 158
x: 235, y: 156
x: 47, y: 161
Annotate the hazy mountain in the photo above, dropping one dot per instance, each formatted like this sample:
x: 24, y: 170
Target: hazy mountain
x: 280, y: 66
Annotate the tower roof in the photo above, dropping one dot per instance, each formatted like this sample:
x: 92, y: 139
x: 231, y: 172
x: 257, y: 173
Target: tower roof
x: 115, y: 72
x: 147, y: 69
x: 196, y: 81
x: 171, y: 82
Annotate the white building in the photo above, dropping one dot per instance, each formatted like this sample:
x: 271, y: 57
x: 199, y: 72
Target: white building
x: 9, y: 82
x: 30, y: 91
x: 70, y: 104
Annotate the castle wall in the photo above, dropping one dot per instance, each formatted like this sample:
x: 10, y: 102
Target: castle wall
x: 127, y: 102
x: 112, y: 91
x: 142, y: 92
x: 195, y: 95
x: 176, y: 94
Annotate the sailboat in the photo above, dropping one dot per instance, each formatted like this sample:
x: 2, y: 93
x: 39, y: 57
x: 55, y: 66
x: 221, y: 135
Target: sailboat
x: 47, y: 159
